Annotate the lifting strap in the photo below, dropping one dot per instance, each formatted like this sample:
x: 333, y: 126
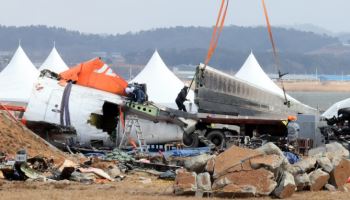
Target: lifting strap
x: 217, y: 30
x: 275, y: 55
x: 220, y: 21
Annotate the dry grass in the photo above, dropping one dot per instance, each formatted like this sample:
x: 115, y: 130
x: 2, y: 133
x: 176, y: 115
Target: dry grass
x: 335, y: 86
x: 129, y: 189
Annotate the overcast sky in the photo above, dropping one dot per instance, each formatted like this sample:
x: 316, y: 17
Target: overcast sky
x: 120, y: 16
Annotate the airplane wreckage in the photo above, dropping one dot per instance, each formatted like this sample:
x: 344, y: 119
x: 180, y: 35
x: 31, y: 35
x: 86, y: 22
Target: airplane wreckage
x: 87, y: 105
x: 88, y: 114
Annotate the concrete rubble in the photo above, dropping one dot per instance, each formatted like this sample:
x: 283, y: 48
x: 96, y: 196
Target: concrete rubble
x: 318, y: 179
x: 242, y: 172
x: 185, y: 182
x: 235, y: 172
x: 340, y: 174
x: 302, y: 181
x: 204, y: 182
x: 325, y: 164
x: 286, y: 187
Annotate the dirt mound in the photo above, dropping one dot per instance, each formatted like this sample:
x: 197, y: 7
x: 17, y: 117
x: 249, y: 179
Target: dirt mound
x: 14, y: 136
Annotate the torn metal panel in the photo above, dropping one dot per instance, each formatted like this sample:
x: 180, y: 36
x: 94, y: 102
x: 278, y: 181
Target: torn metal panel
x: 220, y: 93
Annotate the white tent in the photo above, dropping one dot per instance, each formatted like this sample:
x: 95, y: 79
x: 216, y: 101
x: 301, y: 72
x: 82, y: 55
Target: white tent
x: 333, y: 110
x: 252, y: 72
x: 17, y: 79
x: 54, y: 62
x: 162, y: 84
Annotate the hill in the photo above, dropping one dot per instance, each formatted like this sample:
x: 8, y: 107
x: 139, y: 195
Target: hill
x: 181, y: 45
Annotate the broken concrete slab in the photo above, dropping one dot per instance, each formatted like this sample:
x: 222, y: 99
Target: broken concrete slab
x: 318, y: 179
x: 204, y: 182
x: 185, y: 182
x: 302, y: 181
x: 330, y: 187
x: 336, y: 148
x: 2, y: 175
x: 233, y: 190
x: 340, y: 173
x: 209, y: 167
x: 233, y: 157
x: 286, y: 187
x: 197, y: 163
x: 302, y: 166
x: 245, y: 182
x: 270, y: 149
x: 272, y: 162
x: 325, y: 164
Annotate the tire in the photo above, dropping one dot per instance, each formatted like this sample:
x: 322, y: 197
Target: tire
x: 217, y: 138
x: 190, y: 140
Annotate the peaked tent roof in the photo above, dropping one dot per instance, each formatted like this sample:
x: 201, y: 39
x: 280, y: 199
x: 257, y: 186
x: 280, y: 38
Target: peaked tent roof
x: 18, y: 77
x: 54, y: 62
x: 252, y: 72
x: 163, y: 85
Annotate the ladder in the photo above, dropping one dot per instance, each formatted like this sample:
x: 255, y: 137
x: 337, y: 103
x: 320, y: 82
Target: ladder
x: 133, y: 121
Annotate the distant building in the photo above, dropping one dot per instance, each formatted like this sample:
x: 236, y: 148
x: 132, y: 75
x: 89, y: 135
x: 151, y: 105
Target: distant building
x: 184, y: 72
x: 296, y: 77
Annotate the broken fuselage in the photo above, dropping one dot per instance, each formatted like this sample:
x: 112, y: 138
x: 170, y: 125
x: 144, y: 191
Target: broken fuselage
x: 94, y: 114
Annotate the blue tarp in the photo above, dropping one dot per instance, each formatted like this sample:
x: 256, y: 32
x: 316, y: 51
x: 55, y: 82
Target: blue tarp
x: 188, y: 152
x: 292, y: 158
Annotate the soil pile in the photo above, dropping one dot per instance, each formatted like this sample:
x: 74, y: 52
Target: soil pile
x: 14, y: 136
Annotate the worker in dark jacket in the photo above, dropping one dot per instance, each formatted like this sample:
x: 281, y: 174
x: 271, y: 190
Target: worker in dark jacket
x: 181, y: 98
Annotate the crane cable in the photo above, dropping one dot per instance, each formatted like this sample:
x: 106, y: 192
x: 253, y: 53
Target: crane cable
x: 217, y: 30
x: 277, y: 60
x: 220, y: 21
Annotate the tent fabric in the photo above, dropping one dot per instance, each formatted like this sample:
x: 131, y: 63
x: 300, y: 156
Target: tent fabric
x: 17, y: 78
x: 96, y: 74
x: 252, y: 72
x: 54, y: 62
x: 333, y: 110
x: 163, y: 85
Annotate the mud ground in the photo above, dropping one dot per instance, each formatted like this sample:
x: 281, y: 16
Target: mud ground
x: 134, y: 186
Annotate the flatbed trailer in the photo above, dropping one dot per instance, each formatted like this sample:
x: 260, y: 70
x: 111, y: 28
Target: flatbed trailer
x: 212, y: 128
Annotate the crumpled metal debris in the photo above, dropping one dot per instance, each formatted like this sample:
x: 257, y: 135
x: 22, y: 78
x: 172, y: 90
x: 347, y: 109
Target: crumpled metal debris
x: 168, y: 175
x: 31, y: 173
x: 119, y: 155
x: 83, y: 177
x: 40, y: 163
